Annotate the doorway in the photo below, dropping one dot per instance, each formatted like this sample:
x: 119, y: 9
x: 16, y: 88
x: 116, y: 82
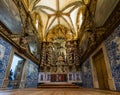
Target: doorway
x: 101, y: 71
x: 16, y: 71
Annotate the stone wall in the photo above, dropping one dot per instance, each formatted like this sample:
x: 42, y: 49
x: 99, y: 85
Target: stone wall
x: 5, y: 50
x: 113, y: 51
x: 87, y: 74
x: 32, y: 75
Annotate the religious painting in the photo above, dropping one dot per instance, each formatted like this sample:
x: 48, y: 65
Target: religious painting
x: 33, y: 46
x: 2, y: 51
x: 9, y: 16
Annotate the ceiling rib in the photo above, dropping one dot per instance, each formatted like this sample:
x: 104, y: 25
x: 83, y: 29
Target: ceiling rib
x: 50, y: 25
x: 77, y: 3
x: 57, y: 5
x: 73, y: 9
x: 44, y: 11
x: 71, y: 23
x: 45, y: 7
x: 47, y: 23
x: 65, y: 20
x: 57, y: 15
x: 36, y: 1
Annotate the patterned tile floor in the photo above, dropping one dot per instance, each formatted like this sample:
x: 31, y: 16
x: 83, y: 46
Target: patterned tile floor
x: 61, y: 91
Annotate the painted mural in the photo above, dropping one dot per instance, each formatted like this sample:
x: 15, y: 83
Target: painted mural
x: 5, y: 50
x: 9, y: 15
x: 32, y: 75
x: 87, y: 74
x: 113, y: 50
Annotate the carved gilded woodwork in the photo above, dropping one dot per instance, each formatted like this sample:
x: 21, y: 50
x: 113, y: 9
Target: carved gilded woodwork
x: 60, y: 57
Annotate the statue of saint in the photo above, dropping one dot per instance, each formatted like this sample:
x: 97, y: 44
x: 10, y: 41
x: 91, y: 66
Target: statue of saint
x: 59, y: 64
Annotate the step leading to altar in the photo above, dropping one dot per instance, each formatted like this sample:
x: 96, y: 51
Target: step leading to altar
x: 58, y: 85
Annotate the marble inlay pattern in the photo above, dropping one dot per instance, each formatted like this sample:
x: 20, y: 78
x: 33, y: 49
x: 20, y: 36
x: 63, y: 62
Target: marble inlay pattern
x: 5, y: 50
x: 87, y: 74
x: 32, y: 74
x: 113, y: 50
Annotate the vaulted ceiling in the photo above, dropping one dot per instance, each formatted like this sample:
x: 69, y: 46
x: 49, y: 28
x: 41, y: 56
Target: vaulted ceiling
x: 68, y: 13
x: 59, y: 18
x: 63, y: 19
x: 55, y: 13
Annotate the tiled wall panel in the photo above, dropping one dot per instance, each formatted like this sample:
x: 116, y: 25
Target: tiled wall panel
x: 5, y: 50
x: 32, y: 74
x: 87, y: 74
x: 113, y: 50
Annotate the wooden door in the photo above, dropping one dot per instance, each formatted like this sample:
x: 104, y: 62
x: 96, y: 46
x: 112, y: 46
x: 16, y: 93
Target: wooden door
x: 101, y: 70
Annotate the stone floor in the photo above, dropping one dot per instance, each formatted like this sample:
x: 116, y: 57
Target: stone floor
x: 79, y: 91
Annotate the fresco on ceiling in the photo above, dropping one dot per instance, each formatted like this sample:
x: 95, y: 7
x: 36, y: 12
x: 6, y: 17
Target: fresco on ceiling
x: 9, y: 16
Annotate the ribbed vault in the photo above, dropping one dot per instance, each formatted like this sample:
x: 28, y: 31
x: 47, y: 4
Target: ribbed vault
x: 68, y: 13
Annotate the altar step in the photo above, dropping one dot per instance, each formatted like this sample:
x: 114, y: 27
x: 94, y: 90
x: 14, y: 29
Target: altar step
x: 58, y: 86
